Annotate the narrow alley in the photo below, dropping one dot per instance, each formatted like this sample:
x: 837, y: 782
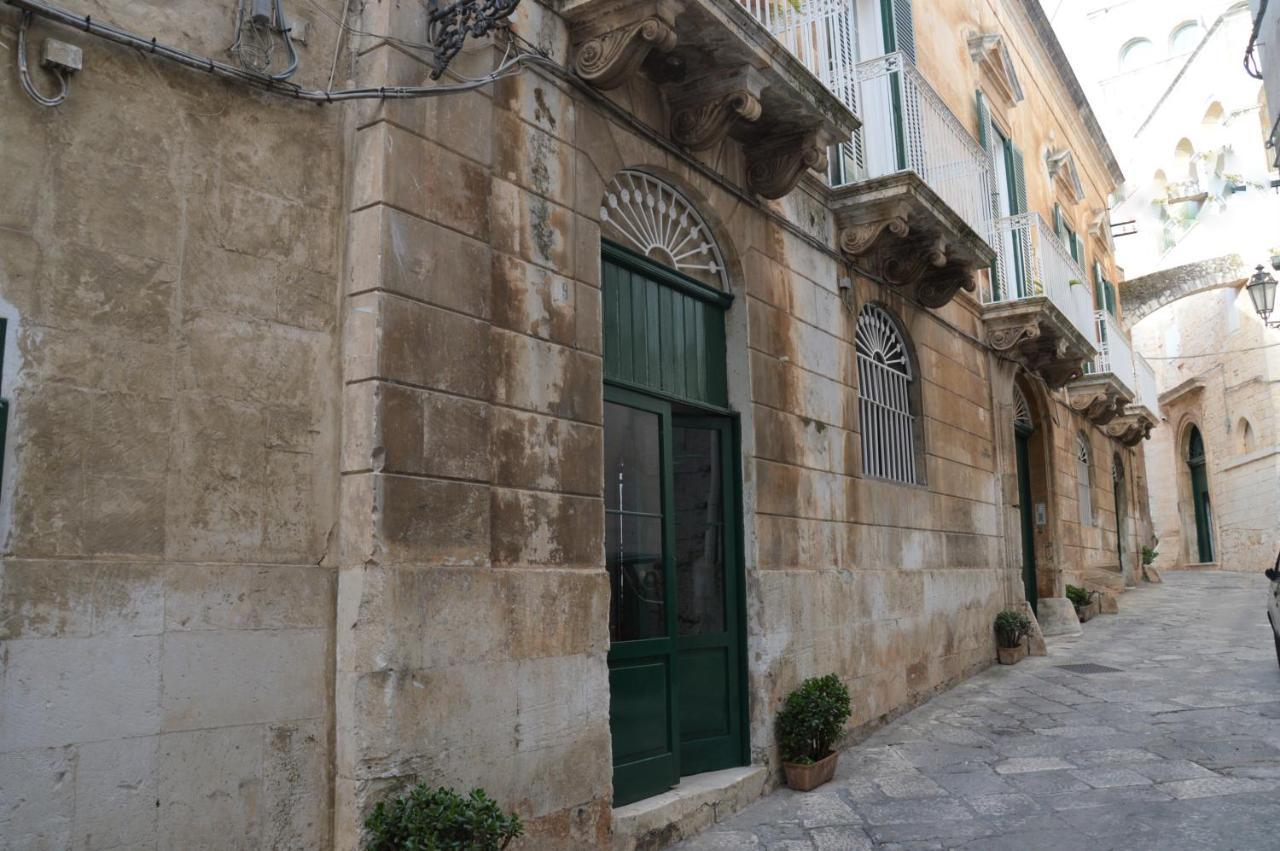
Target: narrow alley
x: 1172, y: 742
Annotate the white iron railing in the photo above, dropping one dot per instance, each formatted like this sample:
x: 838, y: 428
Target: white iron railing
x: 1033, y: 262
x: 907, y: 127
x: 823, y: 35
x: 1148, y: 394
x: 1115, y: 354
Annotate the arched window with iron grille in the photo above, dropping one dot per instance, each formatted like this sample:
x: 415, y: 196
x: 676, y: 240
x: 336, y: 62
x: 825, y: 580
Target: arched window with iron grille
x: 886, y: 399
x: 1084, y: 487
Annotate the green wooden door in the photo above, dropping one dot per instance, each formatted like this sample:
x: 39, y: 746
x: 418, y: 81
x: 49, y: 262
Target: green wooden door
x: 1026, y: 513
x: 673, y: 530
x: 1200, y: 495
x: 706, y: 553
x: 1121, y: 504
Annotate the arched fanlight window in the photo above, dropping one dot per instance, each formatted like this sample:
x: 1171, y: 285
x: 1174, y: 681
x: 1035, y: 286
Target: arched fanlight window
x: 885, y: 388
x: 1084, y: 489
x: 1022, y: 420
x: 1136, y: 53
x: 1184, y: 38
x: 653, y: 218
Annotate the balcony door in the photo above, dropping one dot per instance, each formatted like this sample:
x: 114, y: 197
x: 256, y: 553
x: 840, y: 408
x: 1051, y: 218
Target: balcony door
x: 1011, y: 199
x: 672, y: 534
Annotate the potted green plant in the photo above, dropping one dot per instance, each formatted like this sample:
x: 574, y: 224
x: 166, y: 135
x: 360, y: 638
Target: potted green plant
x: 1086, y: 605
x: 1148, y: 556
x: 426, y: 819
x: 1012, y: 628
x: 808, y: 725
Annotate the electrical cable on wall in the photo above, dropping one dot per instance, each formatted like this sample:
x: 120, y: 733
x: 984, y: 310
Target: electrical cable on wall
x: 510, y: 66
x: 24, y: 73
x: 254, y: 46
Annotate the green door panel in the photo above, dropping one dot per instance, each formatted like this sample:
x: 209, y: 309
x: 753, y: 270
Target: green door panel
x: 704, y: 694
x: 641, y: 729
x: 1027, y: 516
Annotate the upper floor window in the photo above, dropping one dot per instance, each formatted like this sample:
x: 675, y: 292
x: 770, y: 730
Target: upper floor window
x: 1084, y: 488
x: 1137, y: 53
x: 1184, y: 38
x: 888, y: 398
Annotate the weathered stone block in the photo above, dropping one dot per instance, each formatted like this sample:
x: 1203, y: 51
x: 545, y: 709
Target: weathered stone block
x: 422, y: 178
x: 37, y: 798
x: 248, y: 597
x: 399, y: 253
x: 210, y: 788
x: 556, y: 613
x: 432, y: 434
x: 546, y: 529
x: 42, y: 704
x: 428, y: 347
x: 531, y: 227
x: 116, y: 786
x: 533, y: 301
x: 543, y: 377
x: 428, y: 521
x: 544, y: 453
x: 220, y: 678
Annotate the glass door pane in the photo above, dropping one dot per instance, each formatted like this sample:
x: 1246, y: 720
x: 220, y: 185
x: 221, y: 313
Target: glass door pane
x: 700, y: 529
x: 633, y: 523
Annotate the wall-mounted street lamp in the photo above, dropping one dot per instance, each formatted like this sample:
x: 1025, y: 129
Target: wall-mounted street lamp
x: 1262, y: 292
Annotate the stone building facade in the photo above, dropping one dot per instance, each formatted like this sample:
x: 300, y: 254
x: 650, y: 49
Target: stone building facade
x: 1192, y: 127
x: 542, y: 435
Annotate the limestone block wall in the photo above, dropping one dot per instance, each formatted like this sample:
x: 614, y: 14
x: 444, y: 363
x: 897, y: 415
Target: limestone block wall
x: 169, y: 272
x: 1213, y: 367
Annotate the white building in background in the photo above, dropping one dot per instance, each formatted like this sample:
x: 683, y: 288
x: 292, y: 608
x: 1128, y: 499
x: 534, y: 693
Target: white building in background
x: 1198, y: 212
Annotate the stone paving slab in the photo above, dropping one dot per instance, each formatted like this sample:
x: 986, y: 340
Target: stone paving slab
x: 1178, y: 749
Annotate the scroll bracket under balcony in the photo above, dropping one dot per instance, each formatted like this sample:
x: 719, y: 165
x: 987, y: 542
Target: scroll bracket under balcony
x: 1099, y: 401
x: 613, y: 44
x: 1130, y: 428
x: 704, y: 111
x: 775, y: 166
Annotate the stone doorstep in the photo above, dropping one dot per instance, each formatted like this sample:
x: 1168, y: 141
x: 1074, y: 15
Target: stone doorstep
x: 699, y: 801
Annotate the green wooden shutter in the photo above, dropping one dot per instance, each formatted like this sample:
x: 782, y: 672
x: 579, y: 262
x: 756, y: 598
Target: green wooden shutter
x: 1099, y: 294
x: 1059, y: 226
x: 1019, y: 182
x: 1110, y: 289
x: 984, y: 123
x: 899, y: 28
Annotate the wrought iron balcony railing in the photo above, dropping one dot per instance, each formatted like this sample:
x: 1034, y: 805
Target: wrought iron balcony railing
x: 1034, y: 263
x: 906, y: 124
x: 1115, y: 354
x: 907, y: 127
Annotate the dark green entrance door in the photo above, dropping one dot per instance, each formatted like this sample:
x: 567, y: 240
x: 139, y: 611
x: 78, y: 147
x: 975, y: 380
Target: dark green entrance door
x: 1022, y: 437
x: 1200, y: 495
x: 672, y: 531
x: 1121, y: 504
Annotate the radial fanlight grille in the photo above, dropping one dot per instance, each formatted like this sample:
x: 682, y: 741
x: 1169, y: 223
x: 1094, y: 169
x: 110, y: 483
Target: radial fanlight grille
x: 1021, y: 411
x: 660, y: 223
x: 878, y: 340
x: 1082, y: 449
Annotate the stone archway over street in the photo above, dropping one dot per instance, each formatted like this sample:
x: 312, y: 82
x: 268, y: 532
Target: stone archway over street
x: 1143, y: 296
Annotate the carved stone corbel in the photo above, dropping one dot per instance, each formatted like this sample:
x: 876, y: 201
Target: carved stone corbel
x: 1007, y: 337
x: 704, y: 111
x: 615, y: 48
x: 1130, y: 429
x: 774, y: 167
x: 1099, y: 405
x: 1058, y: 373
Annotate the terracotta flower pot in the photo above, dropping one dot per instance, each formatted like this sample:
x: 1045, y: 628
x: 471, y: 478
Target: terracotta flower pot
x: 803, y: 777
x: 1012, y: 655
x: 1086, y: 613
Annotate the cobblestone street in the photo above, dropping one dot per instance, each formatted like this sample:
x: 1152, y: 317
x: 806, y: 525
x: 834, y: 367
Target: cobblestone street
x: 1179, y: 748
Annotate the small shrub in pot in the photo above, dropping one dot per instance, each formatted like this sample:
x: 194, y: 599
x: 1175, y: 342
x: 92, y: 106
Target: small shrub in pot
x: 426, y: 819
x: 810, y: 722
x: 1011, y: 627
x: 1078, y: 596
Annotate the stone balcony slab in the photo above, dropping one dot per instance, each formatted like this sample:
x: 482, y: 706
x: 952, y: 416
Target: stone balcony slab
x: 897, y: 229
x: 723, y: 75
x: 1035, y: 332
